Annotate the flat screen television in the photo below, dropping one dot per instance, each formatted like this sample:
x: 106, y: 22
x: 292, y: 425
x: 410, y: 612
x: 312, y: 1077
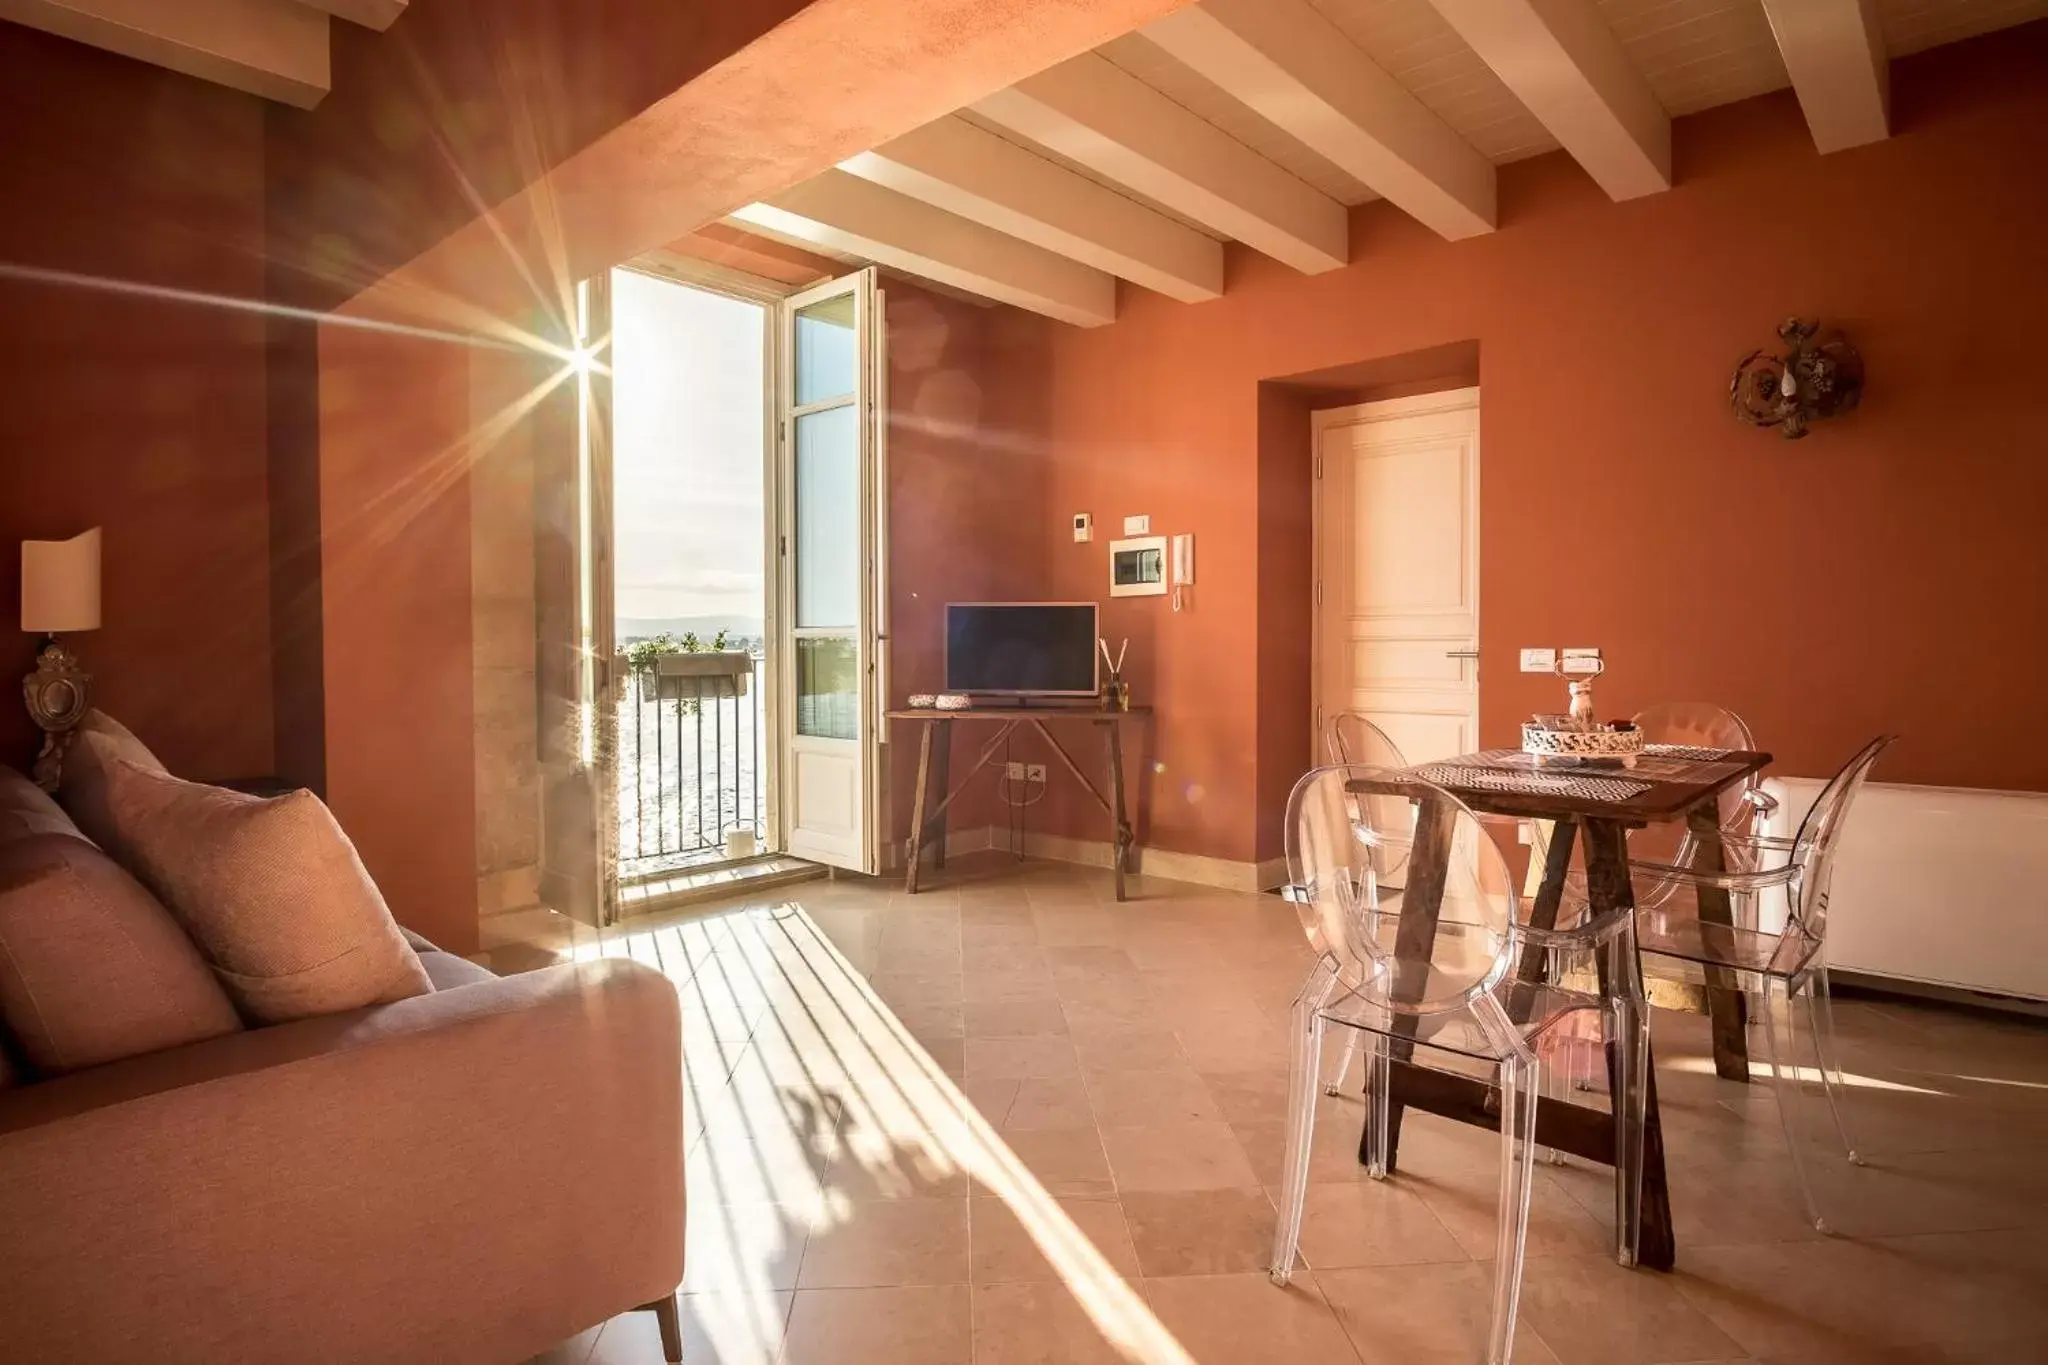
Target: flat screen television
x: 1021, y: 649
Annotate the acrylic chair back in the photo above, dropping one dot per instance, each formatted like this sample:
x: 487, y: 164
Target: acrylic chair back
x: 1351, y: 738
x: 1819, y: 834
x: 1706, y: 726
x: 1348, y: 827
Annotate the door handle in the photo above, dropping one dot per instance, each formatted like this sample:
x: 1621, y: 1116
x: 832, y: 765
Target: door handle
x: 1461, y: 654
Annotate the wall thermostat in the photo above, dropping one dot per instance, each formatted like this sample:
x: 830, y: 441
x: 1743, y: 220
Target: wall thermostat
x: 1084, y: 526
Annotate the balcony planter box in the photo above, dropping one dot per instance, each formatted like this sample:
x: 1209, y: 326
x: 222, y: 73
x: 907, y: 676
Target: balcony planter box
x: 719, y: 673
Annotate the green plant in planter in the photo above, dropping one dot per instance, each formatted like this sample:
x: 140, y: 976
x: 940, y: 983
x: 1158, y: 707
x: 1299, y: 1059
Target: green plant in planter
x: 642, y: 654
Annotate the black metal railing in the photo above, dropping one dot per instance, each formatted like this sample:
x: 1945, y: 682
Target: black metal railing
x: 691, y: 760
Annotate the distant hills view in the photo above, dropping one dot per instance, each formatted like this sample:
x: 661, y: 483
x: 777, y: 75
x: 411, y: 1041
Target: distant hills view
x: 631, y: 628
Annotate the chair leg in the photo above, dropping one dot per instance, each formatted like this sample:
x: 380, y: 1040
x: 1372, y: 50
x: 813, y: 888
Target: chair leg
x: 1520, y: 1085
x: 1785, y: 1079
x: 1820, y: 1022
x: 668, y: 1317
x: 1336, y: 1085
x: 1304, y: 1073
x: 1379, y: 1107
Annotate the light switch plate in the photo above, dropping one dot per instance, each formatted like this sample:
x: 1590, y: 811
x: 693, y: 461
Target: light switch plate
x: 1138, y: 526
x: 1539, y: 661
x: 1580, y: 661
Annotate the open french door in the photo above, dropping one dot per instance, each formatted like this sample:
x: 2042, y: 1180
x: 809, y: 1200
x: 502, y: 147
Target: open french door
x: 831, y: 540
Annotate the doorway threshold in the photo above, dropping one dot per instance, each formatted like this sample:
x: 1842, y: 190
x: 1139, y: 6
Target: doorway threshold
x: 686, y: 886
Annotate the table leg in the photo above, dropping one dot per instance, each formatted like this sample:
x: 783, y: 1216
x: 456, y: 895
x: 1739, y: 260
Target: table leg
x: 1429, y: 861
x: 1724, y: 999
x: 914, y: 849
x: 1120, y: 832
x: 942, y: 770
x: 1535, y: 963
x: 1608, y: 888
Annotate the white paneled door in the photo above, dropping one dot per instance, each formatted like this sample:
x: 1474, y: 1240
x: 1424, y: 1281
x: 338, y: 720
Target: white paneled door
x: 1397, y: 570
x: 832, y: 543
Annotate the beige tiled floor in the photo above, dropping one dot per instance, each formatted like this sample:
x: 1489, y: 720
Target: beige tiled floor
x: 1010, y: 1122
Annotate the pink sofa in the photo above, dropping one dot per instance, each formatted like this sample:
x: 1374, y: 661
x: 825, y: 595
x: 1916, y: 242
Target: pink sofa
x: 469, y: 1175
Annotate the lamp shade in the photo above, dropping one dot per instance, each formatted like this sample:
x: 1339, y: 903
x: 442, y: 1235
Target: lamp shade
x: 60, y: 584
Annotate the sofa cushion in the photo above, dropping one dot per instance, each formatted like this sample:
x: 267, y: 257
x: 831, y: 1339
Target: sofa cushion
x: 26, y: 809
x: 269, y: 888
x: 92, y: 968
x: 447, y: 971
x: 99, y: 742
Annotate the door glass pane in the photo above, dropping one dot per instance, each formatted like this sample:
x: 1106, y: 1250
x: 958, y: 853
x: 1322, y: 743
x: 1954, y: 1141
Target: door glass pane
x: 828, y: 518
x: 827, y: 351
x: 827, y: 688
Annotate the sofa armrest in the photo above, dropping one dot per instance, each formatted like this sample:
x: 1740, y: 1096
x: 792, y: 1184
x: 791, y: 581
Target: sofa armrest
x: 468, y: 1175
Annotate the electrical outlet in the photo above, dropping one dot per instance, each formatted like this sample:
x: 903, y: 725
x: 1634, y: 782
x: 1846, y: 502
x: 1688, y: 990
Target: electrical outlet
x: 1539, y: 661
x: 1034, y: 772
x: 1014, y: 771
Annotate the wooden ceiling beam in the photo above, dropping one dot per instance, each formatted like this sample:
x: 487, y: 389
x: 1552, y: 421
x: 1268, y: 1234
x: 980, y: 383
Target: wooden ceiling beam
x: 966, y: 170
x: 1835, y: 51
x: 842, y: 212
x: 1566, y: 66
x: 1099, y: 116
x: 1297, y: 70
x: 277, y: 51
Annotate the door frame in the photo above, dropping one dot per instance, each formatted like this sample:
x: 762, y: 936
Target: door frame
x: 1322, y: 423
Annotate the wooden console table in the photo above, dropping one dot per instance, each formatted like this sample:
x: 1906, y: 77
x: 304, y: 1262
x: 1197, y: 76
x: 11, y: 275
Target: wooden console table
x: 936, y: 733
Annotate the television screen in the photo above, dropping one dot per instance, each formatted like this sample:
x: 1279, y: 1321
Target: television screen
x: 1030, y: 648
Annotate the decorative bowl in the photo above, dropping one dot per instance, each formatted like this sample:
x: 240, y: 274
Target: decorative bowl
x: 1581, y: 746
x: 952, y: 701
x: 921, y: 701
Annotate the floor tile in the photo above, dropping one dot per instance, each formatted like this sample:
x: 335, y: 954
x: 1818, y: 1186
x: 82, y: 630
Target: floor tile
x: 743, y: 1248
x: 718, y: 1329
x: 1200, y: 1232
x: 1589, y: 1309
x: 1371, y: 1223
x: 896, y: 1242
x: 915, y: 1326
x: 1050, y: 1103
x: 1423, y: 1314
x: 1045, y: 1323
x: 1248, y: 1320
x: 1066, y: 1162
x: 1128, y: 1099
x: 1021, y: 1059
x: 1177, y: 1156
x: 1048, y: 1240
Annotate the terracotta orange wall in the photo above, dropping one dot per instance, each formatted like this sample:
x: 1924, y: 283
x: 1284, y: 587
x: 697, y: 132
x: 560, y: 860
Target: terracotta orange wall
x: 142, y: 416
x: 959, y: 530
x: 1884, y: 574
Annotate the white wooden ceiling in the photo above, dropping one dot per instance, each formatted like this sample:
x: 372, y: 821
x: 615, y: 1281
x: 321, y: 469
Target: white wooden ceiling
x: 273, y: 48
x: 1260, y: 121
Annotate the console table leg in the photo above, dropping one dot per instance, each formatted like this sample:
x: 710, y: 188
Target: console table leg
x: 914, y: 848
x: 942, y: 770
x: 1120, y: 832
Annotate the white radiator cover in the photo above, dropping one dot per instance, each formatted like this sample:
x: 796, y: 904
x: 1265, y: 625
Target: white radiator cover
x: 1943, y: 885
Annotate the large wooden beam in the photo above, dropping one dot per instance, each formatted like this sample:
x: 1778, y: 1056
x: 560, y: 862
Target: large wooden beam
x: 278, y: 51
x: 1836, y: 54
x: 1562, y: 61
x: 1298, y: 70
x: 966, y: 170
x: 843, y: 212
x: 1099, y: 116
x: 377, y: 14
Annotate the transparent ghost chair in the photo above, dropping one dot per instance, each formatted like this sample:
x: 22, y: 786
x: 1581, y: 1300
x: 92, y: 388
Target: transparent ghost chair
x: 1434, y: 984
x: 1780, y: 964
x: 1350, y: 738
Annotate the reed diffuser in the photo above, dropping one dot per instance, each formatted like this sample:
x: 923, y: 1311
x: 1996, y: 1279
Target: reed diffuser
x: 1115, y: 696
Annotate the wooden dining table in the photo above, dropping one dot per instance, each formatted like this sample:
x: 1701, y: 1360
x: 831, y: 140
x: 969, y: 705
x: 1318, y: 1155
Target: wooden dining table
x: 1596, y: 808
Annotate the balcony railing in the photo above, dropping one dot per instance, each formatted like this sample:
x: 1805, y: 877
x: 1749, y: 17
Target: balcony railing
x: 691, y: 759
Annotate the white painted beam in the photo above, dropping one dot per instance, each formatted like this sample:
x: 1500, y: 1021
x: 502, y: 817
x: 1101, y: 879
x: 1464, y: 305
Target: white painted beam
x: 376, y: 14
x: 1298, y: 70
x: 278, y: 51
x: 1562, y: 61
x: 846, y: 213
x: 1102, y: 117
x: 966, y: 170
x: 1836, y: 54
